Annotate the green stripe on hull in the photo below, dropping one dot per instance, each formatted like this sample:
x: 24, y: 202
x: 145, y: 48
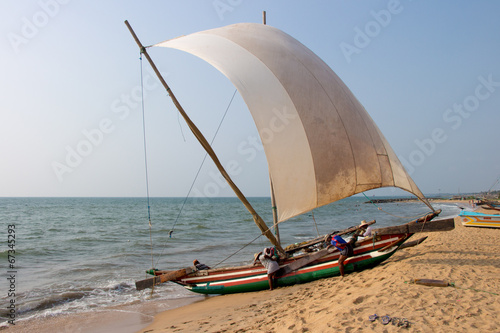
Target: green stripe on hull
x: 292, y: 280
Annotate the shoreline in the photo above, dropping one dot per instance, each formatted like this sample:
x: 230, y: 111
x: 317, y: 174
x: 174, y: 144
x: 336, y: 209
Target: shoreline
x: 462, y: 256
x: 119, y: 319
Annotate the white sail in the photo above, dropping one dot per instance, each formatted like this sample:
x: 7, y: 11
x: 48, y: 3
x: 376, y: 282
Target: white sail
x: 321, y: 145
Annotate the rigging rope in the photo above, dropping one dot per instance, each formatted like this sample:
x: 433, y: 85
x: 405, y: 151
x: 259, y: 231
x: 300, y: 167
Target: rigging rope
x: 401, y: 217
x: 180, y: 126
x: 146, y: 160
x: 244, y: 246
x: 229, y: 256
x: 196, y: 177
x: 315, y: 224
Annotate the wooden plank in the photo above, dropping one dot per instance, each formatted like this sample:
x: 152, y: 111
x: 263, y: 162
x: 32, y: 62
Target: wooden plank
x: 429, y: 216
x: 415, y: 227
x: 431, y: 283
x: 385, y: 248
x: 173, y: 275
x: 403, y: 227
x: 413, y: 243
x: 160, y: 272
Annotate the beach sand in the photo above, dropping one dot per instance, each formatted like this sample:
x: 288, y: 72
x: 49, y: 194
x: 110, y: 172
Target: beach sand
x: 467, y: 257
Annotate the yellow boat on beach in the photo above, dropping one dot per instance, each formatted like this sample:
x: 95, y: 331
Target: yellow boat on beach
x: 478, y: 219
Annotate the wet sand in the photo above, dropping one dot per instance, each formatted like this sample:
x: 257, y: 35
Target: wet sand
x: 120, y: 319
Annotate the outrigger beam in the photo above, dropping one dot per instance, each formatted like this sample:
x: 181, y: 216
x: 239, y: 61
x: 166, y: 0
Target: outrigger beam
x: 170, y: 276
x: 445, y: 224
x: 206, y: 145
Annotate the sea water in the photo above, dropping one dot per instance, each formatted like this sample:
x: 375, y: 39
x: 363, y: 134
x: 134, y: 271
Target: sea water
x: 75, y: 255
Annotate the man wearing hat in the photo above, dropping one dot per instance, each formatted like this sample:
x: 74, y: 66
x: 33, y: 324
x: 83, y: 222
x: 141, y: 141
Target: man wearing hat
x: 367, y: 229
x: 267, y: 259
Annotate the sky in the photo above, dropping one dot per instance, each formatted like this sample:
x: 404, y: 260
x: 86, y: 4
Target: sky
x: 71, y: 119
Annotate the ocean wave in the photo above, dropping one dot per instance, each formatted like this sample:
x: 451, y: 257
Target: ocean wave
x: 444, y: 205
x: 30, y: 251
x: 52, y: 301
x: 39, y: 303
x: 200, y: 226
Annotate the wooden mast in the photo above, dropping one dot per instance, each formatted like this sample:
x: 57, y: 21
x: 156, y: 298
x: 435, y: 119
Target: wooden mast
x: 275, y: 212
x: 273, y: 200
x: 204, y: 143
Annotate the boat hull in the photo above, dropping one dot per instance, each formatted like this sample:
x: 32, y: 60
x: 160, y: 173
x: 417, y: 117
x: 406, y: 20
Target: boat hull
x: 367, y: 253
x: 475, y: 219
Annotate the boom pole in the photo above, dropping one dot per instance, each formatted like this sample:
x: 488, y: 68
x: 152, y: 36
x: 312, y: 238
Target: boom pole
x: 204, y: 143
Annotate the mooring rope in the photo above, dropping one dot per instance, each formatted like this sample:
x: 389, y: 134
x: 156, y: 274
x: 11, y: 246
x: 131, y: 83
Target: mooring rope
x: 473, y: 289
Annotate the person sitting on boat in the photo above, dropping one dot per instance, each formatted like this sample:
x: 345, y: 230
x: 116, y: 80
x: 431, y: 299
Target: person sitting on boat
x: 269, y: 261
x: 199, y: 266
x: 346, y: 249
x: 365, y: 229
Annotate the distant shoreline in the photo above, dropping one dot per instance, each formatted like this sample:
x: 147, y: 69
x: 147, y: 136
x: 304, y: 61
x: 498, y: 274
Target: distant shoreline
x: 435, y: 200
x: 416, y: 199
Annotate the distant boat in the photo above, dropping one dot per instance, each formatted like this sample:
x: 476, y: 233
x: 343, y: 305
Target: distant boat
x: 478, y: 219
x: 490, y: 205
x: 321, y: 146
